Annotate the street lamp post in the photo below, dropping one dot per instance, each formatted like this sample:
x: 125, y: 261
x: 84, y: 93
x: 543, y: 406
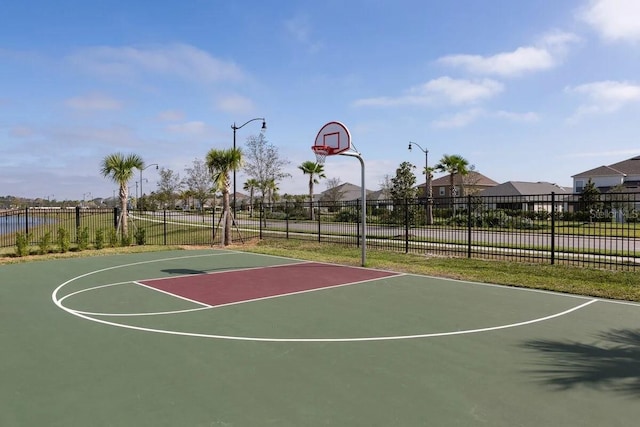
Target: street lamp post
x: 235, y: 128
x: 141, y: 193
x: 429, y: 190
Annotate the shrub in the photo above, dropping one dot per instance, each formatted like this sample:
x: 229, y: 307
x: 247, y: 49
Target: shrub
x: 99, y: 239
x: 347, y: 215
x: 113, y: 237
x: 83, y: 238
x: 22, y: 244
x: 45, y: 244
x: 63, y: 240
x: 126, y: 240
x: 140, y: 236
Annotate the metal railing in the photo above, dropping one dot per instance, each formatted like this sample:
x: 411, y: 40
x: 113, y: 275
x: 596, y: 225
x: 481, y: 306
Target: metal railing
x: 602, y: 231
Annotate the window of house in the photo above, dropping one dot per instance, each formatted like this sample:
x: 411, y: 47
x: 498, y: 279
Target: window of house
x: 579, y: 186
x: 441, y: 191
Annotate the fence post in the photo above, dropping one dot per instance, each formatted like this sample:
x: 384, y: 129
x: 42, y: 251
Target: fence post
x: 358, y: 222
x: 406, y: 226
x: 115, y: 217
x: 164, y: 226
x: 261, y: 218
x: 553, y: 228
x: 469, y: 223
x: 77, y: 221
x: 286, y: 218
x: 26, y: 221
x: 213, y: 225
x: 319, y: 227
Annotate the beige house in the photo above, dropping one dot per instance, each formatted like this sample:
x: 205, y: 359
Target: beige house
x: 463, y: 185
x: 524, y: 196
x: 625, y: 174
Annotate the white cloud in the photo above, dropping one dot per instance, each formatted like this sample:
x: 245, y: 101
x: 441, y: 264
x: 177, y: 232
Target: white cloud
x: 193, y: 128
x: 170, y: 115
x: 299, y: 29
x: 465, y: 118
x: 615, y: 20
x: 235, y: 104
x: 604, y: 97
x: 459, y: 120
x: 522, y: 60
x: 529, y: 117
x: 458, y: 91
x: 180, y: 60
x: 440, y: 90
x: 526, y: 59
x: 93, y: 102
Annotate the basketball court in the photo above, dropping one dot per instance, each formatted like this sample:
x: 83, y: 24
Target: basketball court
x: 225, y: 338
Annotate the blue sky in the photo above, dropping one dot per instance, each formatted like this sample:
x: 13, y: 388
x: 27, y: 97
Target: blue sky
x: 528, y: 90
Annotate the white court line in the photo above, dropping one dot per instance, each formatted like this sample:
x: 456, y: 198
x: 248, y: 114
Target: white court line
x: 267, y: 339
x: 327, y: 340
x: 173, y: 295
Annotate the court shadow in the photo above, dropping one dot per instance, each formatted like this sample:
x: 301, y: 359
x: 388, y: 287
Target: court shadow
x: 612, y: 363
x: 183, y: 271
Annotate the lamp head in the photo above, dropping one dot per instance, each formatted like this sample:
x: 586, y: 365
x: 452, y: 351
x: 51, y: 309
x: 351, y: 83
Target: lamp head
x: 264, y: 126
x: 409, y: 146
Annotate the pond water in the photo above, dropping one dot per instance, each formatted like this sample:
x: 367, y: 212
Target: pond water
x: 14, y: 223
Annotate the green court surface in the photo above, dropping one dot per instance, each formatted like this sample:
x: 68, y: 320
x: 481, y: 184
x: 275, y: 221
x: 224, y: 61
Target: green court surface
x: 95, y: 342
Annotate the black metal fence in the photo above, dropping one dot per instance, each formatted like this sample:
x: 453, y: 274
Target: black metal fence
x: 601, y: 231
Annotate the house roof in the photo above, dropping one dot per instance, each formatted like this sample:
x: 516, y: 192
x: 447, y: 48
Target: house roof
x: 348, y: 190
x: 599, y: 171
x: 520, y: 188
x: 377, y: 195
x: 630, y: 166
x: 626, y: 167
x: 471, y: 179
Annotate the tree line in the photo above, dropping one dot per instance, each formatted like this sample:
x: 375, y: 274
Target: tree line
x: 263, y: 165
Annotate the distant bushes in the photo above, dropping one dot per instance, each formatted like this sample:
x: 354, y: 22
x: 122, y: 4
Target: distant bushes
x: 62, y: 241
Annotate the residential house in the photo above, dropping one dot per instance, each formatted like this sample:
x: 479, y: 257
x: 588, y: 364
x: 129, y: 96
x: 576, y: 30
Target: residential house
x: 622, y: 177
x: 346, y: 192
x: 524, y: 196
x: 463, y: 185
x: 625, y: 174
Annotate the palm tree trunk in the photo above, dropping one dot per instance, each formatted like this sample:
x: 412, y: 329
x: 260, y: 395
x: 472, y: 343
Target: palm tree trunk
x: 226, y: 235
x: 429, y: 200
x: 311, y: 197
x: 452, y: 191
x: 124, y: 195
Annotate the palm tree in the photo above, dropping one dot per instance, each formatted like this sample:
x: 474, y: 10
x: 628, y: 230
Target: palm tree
x: 271, y: 188
x: 221, y: 163
x: 120, y: 168
x: 250, y: 185
x: 453, y: 164
x: 428, y: 171
x: 315, y: 172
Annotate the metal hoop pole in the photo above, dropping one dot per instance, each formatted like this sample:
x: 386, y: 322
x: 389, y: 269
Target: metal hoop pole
x: 364, y: 205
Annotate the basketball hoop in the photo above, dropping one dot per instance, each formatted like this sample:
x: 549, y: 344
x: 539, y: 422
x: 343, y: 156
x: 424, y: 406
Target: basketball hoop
x: 321, y: 154
x: 333, y: 138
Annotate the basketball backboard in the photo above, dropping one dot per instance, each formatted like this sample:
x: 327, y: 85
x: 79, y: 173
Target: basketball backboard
x: 333, y: 138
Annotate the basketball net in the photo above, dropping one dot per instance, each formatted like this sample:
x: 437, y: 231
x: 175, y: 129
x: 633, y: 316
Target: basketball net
x: 321, y: 154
